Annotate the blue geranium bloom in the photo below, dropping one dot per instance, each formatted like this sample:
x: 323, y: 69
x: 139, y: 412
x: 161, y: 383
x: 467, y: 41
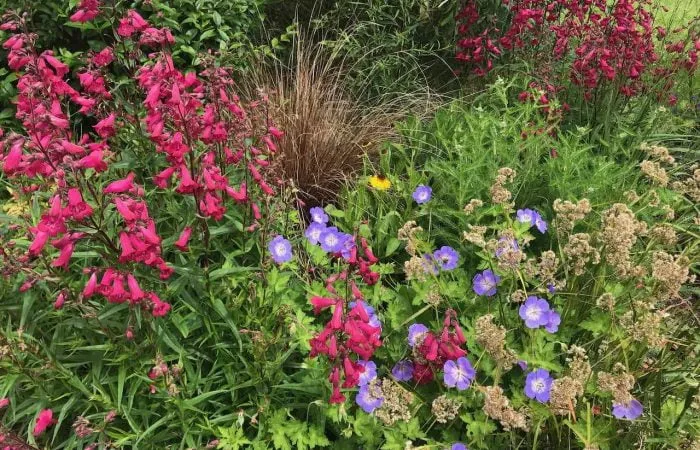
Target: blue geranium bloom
x: 538, y: 385
x: 446, y: 257
x: 422, y: 194
x: 280, y: 249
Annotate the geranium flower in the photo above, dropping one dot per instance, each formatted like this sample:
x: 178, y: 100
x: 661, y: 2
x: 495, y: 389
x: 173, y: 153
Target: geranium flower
x: 313, y: 232
x: 553, y: 321
x: 370, y: 372
x: 318, y: 215
x: 332, y: 240
x: 422, y: 194
x: 281, y: 249
x: 459, y: 373
x: 367, y: 401
x: 446, y: 258
x: 538, y: 384
x: 414, y: 331
x: 535, y: 312
x: 379, y: 182
x: 485, y: 283
x: 533, y: 218
x: 403, y: 370
x: 630, y: 411
x: 458, y: 446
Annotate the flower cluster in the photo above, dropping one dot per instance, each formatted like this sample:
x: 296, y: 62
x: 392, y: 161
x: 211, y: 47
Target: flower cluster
x: 354, y: 329
x: 536, y: 313
x: 437, y: 351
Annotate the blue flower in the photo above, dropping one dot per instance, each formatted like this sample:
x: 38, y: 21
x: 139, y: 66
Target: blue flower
x: 538, y: 385
x: 553, y: 321
x: 533, y: 218
x: 314, y: 231
x: 332, y: 240
x: 630, y: 411
x: 459, y: 374
x: 370, y: 372
x: 366, y: 399
x: 318, y: 215
x: 535, y: 312
x: 446, y: 257
x: 458, y: 446
x: 415, y: 331
x: 403, y: 370
x: 485, y: 283
x: 422, y: 194
x: 281, y: 249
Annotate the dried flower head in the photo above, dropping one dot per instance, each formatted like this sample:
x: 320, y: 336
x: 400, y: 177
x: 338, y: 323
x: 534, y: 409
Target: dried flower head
x: 474, y: 203
x: 493, y: 339
x: 497, y: 406
x: 500, y: 195
x: 568, y: 213
x: 619, y: 233
x: 606, y: 302
x: 563, y: 395
x: 580, y: 252
x: 475, y: 235
x: 445, y: 409
x: 397, y: 402
x: 619, y: 383
x: 670, y: 273
x: 654, y: 172
x: 665, y: 234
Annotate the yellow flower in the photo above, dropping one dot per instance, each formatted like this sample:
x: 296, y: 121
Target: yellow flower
x: 379, y: 182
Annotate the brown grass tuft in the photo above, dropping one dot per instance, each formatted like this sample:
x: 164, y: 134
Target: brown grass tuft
x: 327, y: 132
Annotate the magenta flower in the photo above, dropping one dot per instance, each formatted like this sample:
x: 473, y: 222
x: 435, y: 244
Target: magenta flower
x: 485, y: 283
x: 403, y: 370
x: 538, y: 384
x: 630, y: 411
x: 446, y: 257
x: 422, y: 194
x: 535, y: 312
x: 281, y: 249
x: 459, y: 374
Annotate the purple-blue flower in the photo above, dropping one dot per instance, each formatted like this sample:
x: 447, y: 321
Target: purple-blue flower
x: 414, y: 331
x: 538, y: 385
x: 403, y: 370
x: 348, y: 246
x: 458, y: 446
x: 485, y: 283
x: 332, y: 240
x: 281, y: 249
x: 551, y: 288
x: 370, y: 372
x: 318, y: 215
x: 553, y: 321
x: 629, y: 412
x: 422, y: 194
x: 533, y: 218
x: 459, y: 373
x: 313, y: 232
x: 367, y: 401
x: 535, y: 312
x: 523, y: 364
x: 446, y: 257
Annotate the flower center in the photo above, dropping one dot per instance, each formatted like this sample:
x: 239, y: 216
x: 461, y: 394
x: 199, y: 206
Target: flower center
x: 538, y: 385
x: 280, y: 249
x: 331, y: 240
x: 533, y: 313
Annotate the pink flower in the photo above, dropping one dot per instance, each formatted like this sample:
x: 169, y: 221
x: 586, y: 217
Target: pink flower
x: 104, y: 57
x: 91, y: 286
x: 4, y: 402
x: 105, y: 127
x: 43, y: 421
x: 121, y: 186
x: 87, y: 10
x: 60, y: 300
x: 184, y: 238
